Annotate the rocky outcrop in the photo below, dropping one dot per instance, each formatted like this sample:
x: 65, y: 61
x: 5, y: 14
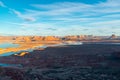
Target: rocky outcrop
x: 113, y: 36
x: 51, y: 38
x: 24, y: 39
x: 22, y: 54
x: 38, y: 38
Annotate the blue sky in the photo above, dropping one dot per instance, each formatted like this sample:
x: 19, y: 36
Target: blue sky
x: 59, y: 17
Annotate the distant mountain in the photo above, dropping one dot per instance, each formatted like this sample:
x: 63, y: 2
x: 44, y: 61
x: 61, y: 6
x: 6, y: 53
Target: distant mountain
x: 58, y: 38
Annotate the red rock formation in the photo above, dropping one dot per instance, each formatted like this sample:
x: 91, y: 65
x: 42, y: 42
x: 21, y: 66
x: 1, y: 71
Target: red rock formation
x: 51, y: 38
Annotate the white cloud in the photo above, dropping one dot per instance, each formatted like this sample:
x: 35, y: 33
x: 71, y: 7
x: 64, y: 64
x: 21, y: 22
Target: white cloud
x: 19, y: 14
x: 2, y: 4
x: 76, y: 12
x: 70, y: 11
x: 72, y: 18
x: 22, y: 16
x: 69, y: 7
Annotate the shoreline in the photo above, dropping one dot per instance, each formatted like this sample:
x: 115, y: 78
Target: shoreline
x: 24, y: 47
x: 21, y: 47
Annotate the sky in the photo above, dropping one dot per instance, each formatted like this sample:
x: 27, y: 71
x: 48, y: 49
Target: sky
x: 59, y: 17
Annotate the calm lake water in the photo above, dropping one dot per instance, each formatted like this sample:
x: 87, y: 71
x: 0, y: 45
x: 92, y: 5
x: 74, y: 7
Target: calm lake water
x: 8, y: 45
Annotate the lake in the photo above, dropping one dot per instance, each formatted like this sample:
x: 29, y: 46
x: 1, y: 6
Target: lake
x: 8, y: 45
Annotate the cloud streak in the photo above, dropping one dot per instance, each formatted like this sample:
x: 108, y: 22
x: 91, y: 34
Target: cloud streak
x: 71, y: 18
x: 76, y: 12
x: 24, y: 17
x: 2, y: 4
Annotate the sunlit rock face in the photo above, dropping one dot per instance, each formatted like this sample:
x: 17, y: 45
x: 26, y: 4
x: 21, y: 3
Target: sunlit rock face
x: 24, y: 39
x: 18, y: 39
x: 6, y: 38
x: 38, y: 38
x: 29, y: 39
x: 22, y: 54
x: 51, y: 38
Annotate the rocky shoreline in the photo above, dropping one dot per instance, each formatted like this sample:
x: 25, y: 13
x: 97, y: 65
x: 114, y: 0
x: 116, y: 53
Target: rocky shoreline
x: 26, y: 46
